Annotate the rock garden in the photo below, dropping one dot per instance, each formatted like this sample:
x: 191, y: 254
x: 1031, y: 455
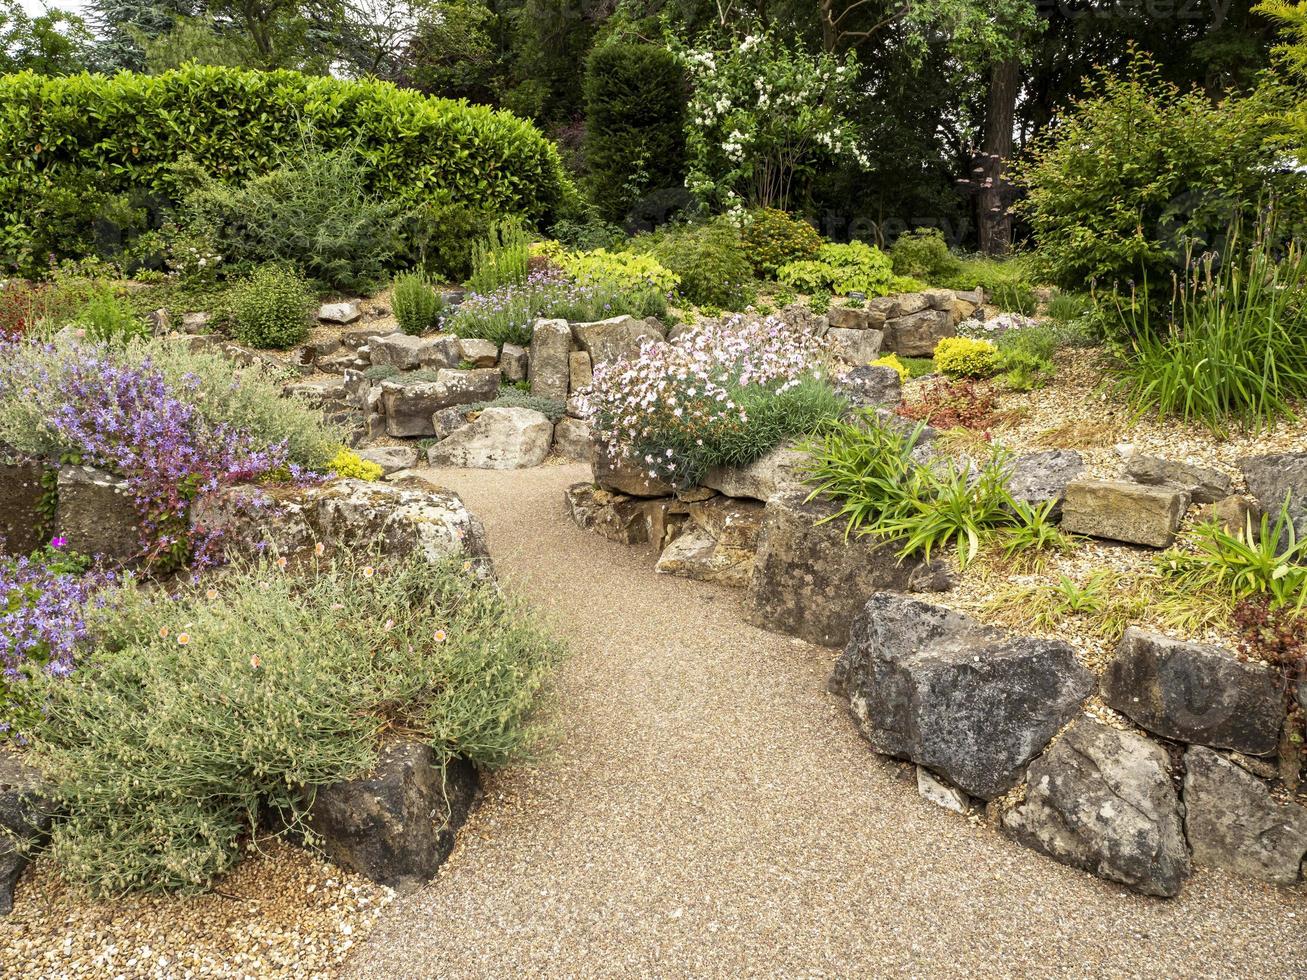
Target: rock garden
x: 1026, y: 528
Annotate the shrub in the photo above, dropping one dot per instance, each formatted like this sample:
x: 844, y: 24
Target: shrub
x: 855, y: 267
x: 116, y: 410
x: 947, y: 405
x: 710, y: 263
x: 588, y: 235
x: 43, y: 622
x: 923, y: 254
x: 634, y: 143
x: 773, y: 238
x: 962, y: 357
x: 209, y: 710
x: 108, y: 317
x: 100, y: 137
x: 416, y: 303
x: 1137, y: 168
x: 271, y: 308
x: 1232, y: 349
x: 352, y: 466
x: 892, y: 361
x: 314, y: 211
x: 1025, y: 356
x: 720, y: 394
x: 443, y: 233
x: 619, y: 270
x: 501, y: 259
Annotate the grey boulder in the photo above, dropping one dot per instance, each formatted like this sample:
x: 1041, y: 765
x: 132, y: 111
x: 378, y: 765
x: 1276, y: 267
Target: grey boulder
x: 615, y: 338
x: 1102, y: 800
x: 869, y: 385
x: 967, y: 701
x: 1040, y: 477
x: 1195, y: 692
x: 396, y: 824
x: 1203, y: 484
x: 391, y: 459
x: 1275, y: 478
x: 498, y: 439
x: 1234, y: 824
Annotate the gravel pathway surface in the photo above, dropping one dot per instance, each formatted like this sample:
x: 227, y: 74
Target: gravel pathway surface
x: 710, y: 811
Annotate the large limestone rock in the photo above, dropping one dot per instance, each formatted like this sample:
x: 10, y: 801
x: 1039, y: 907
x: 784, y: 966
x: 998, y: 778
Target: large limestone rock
x: 623, y: 476
x: 1043, y: 476
x: 499, y: 439
x: 548, y: 364
x: 761, y: 478
x: 850, y: 318
x: 615, y: 338
x: 26, y: 815
x: 396, y: 825
x: 1277, y: 476
x: 580, y: 370
x: 810, y: 580
x: 1121, y: 511
x: 1102, y: 800
x: 406, y: 352
x: 1203, y: 484
x: 391, y: 459
x: 1233, y: 823
x: 917, y: 333
x: 869, y: 385
x: 573, y: 440
x: 512, y: 362
x: 21, y: 521
x: 408, y: 406
x: 719, y: 545
x: 614, y: 516
x: 967, y: 701
x: 1195, y: 692
x: 348, y: 516
x: 478, y: 353
x: 855, y: 346
x: 96, y: 514
x: 339, y: 312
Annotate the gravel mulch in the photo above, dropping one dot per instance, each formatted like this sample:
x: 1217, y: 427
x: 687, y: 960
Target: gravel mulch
x: 283, y: 913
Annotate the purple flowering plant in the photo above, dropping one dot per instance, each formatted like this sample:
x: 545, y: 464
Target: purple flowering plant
x: 121, y: 415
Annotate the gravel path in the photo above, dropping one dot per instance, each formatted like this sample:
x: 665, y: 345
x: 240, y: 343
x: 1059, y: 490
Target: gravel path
x: 711, y: 812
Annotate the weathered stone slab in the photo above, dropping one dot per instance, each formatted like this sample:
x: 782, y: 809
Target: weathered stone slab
x: 917, y: 333
x: 1234, y: 824
x: 409, y: 405
x: 615, y: 338
x: 1195, y: 692
x: 498, y: 439
x: 573, y: 440
x: 614, y: 516
x: 1121, y: 511
x: 623, y: 476
x: 851, y: 318
x: 1040, y: 477
x: 761, y: 478
x: 1203, y: 484
x: 810, y: 579
x: 855, y: 346
x: 96, y: 514
x: 22, y: 525
x: 1102, y: 800
x: 478, y: 353
x: 513, y: 362
x: 391, y: 459
x: 869, y: 385
x: 549, y: 371
x: 965, y: 700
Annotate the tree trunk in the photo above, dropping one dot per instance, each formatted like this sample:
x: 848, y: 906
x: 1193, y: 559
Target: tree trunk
x: 993, y: 222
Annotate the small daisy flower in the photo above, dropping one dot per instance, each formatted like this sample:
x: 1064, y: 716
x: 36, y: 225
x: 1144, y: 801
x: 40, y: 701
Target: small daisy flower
x: 163, y: 632
x: 183, y: 639
x: 440, y: 636
x: 369, y: 571
x: 211, y: 594
x: 255, y: 662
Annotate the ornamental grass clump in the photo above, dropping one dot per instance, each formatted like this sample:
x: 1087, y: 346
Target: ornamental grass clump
x: 723, y: 394
x: 213, y: 714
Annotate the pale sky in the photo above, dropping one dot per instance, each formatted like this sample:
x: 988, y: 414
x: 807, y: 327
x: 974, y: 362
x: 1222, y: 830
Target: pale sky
x: 37, y: 7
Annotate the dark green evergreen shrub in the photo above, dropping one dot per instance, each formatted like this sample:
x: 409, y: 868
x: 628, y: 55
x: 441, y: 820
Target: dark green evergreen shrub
x: 78, y: 141
x: 635, y: 96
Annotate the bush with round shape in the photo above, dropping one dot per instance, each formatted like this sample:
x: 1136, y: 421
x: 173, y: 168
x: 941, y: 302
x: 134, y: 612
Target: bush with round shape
x: 843, y: 269
x: 923, y: 254
x: 271, y: 308
x: 76, y: 141
x: 773, y: 238
x: 964, y: 357
x: 710, y: 263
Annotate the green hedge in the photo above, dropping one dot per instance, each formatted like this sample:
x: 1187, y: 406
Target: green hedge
x: 88, y: 150
x: 635, y: 97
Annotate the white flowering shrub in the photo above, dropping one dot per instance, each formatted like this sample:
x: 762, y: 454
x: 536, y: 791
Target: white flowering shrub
x: 762, y: 117
x: 723, y: 394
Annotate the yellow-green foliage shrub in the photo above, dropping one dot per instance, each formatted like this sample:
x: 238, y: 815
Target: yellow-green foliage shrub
x: 892, y: 361
x: 620, y: 270
x: 352, y: 466
x: 963, y: 357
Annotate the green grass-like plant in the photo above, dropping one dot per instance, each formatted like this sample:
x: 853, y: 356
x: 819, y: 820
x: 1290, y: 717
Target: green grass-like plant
x: 1232, y: 351
x: 501, y: 259
x: 416, y: 302
x: 204, y: 713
